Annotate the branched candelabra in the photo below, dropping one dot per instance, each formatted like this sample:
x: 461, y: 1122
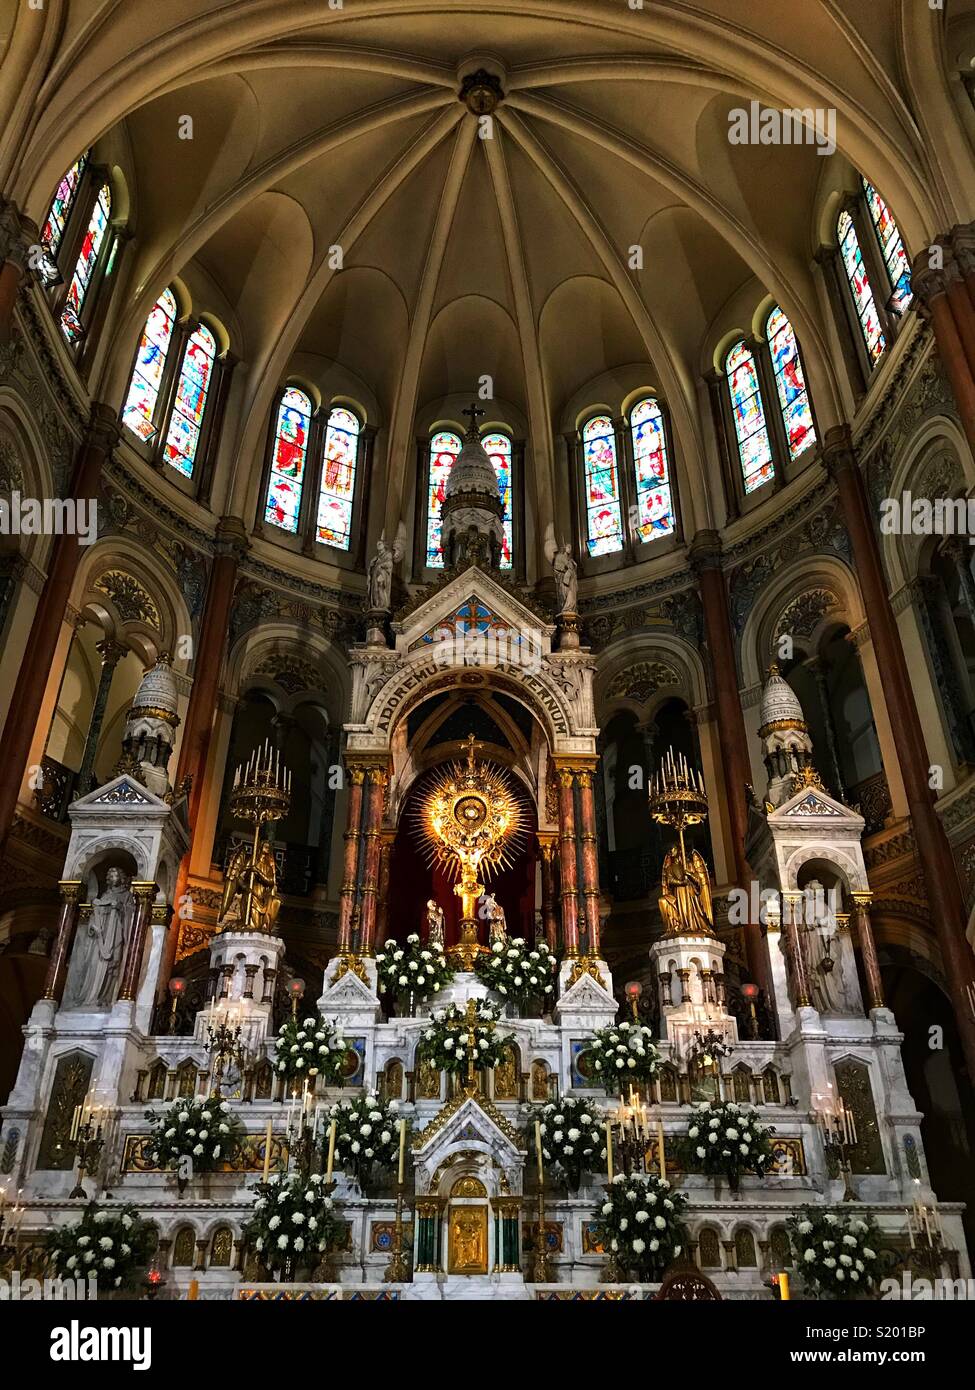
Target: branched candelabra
x: 926, y: 1234
x: 839, y: 1137
x: 224, y: 1045
x: 86, y: 1142
x: 678, y: 798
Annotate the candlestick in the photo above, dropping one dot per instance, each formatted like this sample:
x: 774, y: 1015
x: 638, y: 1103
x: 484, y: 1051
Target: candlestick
x: 267, y: 1152
x: 193, y: 1292
x: 538, y: 1148
x: 784, y: 1294
x: 331, y: 1149
x: 609, y: 1149
x: 661, y: 1156
x: 75, y: 1122
x: 402, y: 1149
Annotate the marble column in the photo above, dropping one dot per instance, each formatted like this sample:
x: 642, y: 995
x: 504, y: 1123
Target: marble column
x: 100, y: 439
x: 945, y: 899
x: 382, y: 904
x: 546, y: 847
x: 931, y: 293
x: 347, y: 899
x: 818, y: 669
x: 378, y: 779
x: 868, y: 950
x: 57, y: 966
x: 111, y: 654
x: 801, y: 992
x: 590, y: 860
x: 145, y: 896
x: 705, y: 558
x: 570, y: 878
x: 959, y: 551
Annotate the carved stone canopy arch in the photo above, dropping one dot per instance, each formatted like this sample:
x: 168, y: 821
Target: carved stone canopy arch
x: 131, y: 599
x: 292, y: 673
x: 641, y: 681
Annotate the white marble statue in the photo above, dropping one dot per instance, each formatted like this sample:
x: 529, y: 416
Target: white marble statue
x: 565, y: 570
x: 434, y: 923
x: 381, y: 570
x: 493, y: 913
x: 97, y: 959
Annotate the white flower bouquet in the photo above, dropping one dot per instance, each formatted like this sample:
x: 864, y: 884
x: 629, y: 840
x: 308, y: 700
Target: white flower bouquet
x: 836, y: 1255
x: 641, y: 1221
x: 366, y: 1136
x: 114, y: 1246
x: 294, y: 1222
x: 519, y: 972
x: 310, y: 1047
x: 573, y: 1138
x: 412, y: 967
x: 451, y: 1041
x: 726, y: 1139
x: 193, y: 1136
x: 621, y: 1055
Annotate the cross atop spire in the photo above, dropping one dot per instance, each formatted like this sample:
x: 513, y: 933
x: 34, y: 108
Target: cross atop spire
x: 473, y: 410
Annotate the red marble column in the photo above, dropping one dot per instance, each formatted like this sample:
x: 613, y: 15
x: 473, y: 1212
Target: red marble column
x: 350, y: 866
x: 382, y: 905
x: 570, y: 879
x: 550, y: 922
x: 705, y: 558
x: 378, y: 779
x: 868, y: 950
x: 945, y: 898
x: 931, y: 293
x: 145, y: 896
x: 590, y: 861
x: 57, y: 967
x: 38, y: 654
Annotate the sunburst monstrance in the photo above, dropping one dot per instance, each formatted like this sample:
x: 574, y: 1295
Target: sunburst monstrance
x: 470, y: 819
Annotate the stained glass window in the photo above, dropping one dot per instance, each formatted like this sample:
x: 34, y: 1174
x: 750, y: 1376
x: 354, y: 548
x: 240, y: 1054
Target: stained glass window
x: 754, y: 445
x: 444, y: 448
x: 791, y: 383
x: 856, y: 273
x: 604, y: 524
x: 338, y: 479
x: 183, y: 438
x: 57, y: 218
x: 150, y: 362
x: 288, y: 460
x: 85, y: 265
x: 655, y: 512
x: 497, y: 446
x: 895, y: 257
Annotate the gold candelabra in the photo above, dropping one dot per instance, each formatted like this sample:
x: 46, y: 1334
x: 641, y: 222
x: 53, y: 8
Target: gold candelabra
x: 677, y: 797
x: 840, y: 1137
x: 261, y: 794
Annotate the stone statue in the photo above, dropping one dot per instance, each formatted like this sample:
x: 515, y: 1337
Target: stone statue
x: 434, y: 923
x: 381, y: 570
x: 565, y: 570
x: 685, y: 900
x: 493, y: 913
x: 97, y: 960
x: 250, y: 899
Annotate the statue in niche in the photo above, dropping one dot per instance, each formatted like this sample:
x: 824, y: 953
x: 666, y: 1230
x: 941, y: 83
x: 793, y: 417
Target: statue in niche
x: 96, y: 963
x: 493, y: 914
x: 435, y: 927
x: 829, y: 984
x: 565, y: 571
x: 685, y: 899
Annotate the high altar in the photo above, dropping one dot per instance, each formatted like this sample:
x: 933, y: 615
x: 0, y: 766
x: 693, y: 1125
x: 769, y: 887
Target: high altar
x: 466, y: 1223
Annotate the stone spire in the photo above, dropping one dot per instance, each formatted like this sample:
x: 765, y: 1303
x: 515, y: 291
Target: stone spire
x: 473, y: 530
x: 150, y: 728
x: 787, y: 747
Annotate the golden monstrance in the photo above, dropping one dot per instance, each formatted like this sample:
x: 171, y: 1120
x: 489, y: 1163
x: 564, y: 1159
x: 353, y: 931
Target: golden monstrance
x: 470, y: 820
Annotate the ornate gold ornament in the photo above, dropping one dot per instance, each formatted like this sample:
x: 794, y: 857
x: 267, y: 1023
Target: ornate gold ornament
x: 350, y: 964
x: 470, y: 820
x: 678, y: 799
x: 261, y: 794
x: 584, y: 965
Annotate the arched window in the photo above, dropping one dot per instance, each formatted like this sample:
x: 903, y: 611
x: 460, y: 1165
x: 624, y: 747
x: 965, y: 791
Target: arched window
x: 863, y: 300
x: 754, y: 445
x: 288, y: 460
x: 790, y: 381
x: 84, y: 269
x: 150, y: 363
x: 186, y: 419
x: 892, y: 249
x: 57, y: 218
x: 497, y: 446
x: 604, y: 521
x: 338, y: 479
x: 655, y: 511
x: 444, y: 448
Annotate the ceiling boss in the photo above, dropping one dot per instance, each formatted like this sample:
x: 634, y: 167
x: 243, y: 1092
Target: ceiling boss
x: 470, y: 820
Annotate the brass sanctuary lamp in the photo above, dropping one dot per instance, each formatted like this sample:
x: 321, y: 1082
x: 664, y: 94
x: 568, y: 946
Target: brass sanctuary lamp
x: 470, y: 819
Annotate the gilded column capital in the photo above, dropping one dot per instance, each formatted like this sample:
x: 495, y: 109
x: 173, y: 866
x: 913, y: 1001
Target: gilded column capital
x: 70, y: 889
x: 144, y: 890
